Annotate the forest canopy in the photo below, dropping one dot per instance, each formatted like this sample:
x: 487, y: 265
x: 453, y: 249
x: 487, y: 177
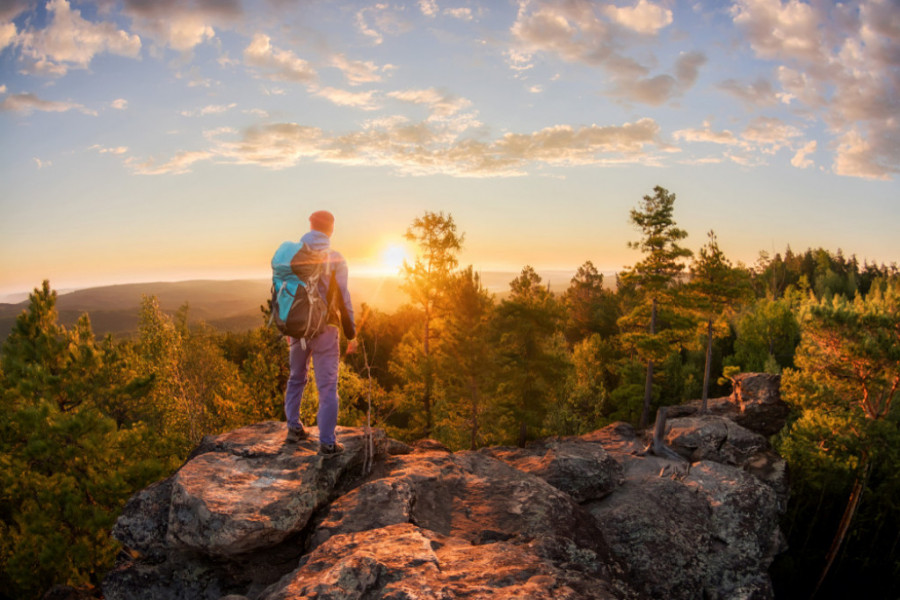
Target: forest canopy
x: 86, y: 422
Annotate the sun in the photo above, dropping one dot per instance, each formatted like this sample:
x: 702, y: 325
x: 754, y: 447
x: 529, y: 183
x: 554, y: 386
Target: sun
x: 393, y: 256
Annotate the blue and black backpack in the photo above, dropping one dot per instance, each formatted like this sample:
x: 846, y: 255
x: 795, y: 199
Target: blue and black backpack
x: 298, y: 310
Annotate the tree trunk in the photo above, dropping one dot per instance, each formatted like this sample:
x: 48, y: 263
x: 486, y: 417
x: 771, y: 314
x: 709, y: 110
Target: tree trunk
x: 709, y: 341
x: 523, y: 434
x: 473, y: 390
x: 648, y: 383
x: 859, y: 486
x: 426, y: 395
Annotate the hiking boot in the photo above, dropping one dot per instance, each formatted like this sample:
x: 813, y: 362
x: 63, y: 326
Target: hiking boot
x: 330, y: 449
x: 296, y: 435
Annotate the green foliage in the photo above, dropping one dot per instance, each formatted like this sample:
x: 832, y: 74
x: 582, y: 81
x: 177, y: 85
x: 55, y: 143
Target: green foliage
x: 465, y: 365
x: 531, y: 353
x: 590, y: 308
x: 767, y: 329
x: 843, y: 442
x: 427, y: 282
x: 659, y: 320
x: 69, y: 457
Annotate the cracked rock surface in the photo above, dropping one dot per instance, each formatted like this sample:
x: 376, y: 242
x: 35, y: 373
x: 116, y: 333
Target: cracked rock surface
x: 249, y: 517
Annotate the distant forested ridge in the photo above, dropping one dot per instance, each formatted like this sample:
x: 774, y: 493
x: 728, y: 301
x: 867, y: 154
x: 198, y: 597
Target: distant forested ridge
x: 86, y: 421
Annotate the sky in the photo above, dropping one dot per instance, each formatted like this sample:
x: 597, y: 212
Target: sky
x: 166, y: 140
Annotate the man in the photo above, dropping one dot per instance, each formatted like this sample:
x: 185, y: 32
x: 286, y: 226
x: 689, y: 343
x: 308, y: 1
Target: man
x: 324, y: 348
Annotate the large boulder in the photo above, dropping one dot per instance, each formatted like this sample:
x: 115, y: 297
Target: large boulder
x: 758, y: 396
x: 582, y: 470
x: 249, y: 517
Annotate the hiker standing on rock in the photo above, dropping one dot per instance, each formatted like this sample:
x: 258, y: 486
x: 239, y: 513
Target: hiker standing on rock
x: 323, y: 347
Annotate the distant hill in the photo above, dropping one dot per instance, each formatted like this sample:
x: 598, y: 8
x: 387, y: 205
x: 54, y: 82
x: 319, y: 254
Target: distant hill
x: 226, y: 305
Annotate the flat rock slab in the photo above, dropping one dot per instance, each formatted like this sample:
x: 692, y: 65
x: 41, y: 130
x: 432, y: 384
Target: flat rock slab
x: 245, y: 490
x: 406, y: 561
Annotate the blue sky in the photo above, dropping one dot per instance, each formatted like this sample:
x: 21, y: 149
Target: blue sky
x: 170, y: 140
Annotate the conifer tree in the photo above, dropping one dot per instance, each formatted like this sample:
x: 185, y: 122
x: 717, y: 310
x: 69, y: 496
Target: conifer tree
x: 589, y: 307
x: 532, y: 365
x: 426, y: 281
x: 847, y: 378
x: 716, y: 287
x: 654, y: 277
x: 67, y: 467
x: 466, y: 361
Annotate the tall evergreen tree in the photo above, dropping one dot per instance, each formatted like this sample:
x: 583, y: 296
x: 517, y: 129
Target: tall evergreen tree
x: 467, y: 361
x: 426, y: 281
x: 532, y: 365
x: 654, y: 278
x: 716, y: 287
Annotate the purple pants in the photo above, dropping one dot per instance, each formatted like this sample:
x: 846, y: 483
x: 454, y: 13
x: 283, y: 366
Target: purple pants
x: 325, y: 351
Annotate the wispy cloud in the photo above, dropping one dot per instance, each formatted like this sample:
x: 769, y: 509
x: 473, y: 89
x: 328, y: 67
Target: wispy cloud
x: 441, y: 104
x: 28, y: 102
x: 421, y: 148
x: 644, y: 17
x: 361, y: 100
x: 282, y: 65
x: 357, y: 71
x: 180, y: 163
x: 211, y: 109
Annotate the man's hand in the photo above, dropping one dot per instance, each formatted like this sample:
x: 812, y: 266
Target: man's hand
x: 352, y: 346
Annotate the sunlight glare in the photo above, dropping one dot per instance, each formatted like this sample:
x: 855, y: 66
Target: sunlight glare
x: 393, y: 256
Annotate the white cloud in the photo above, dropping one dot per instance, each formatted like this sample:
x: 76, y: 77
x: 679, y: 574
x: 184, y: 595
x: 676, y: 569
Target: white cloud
x: 536, y: 89
x: 425, y: 147
x: 770, y: 134
x: 645, y: 17
x: 41, y: 163
x: 3, y: 89
x: 706, y: 135
x: 463, y: 14
x: 800, y: 159
x: 119, y: 104
x: 429, y: 8
x: 361, y: 100
x: 118, y: 150
x: 182, y: 24
x: 69, y: 41
x: 440, y: 103
x: 839, y: 62
x: 180, y: 163
x: 356, y: 71
x: 598, y: 35
x: 210, y: 109
x: 27, y: 103
x: 277, y: 64
x: 7, y: 34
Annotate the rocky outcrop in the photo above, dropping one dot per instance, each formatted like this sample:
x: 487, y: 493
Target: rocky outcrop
x: 251, y: 517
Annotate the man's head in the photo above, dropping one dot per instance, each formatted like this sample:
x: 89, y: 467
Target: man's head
x: 323, y: 221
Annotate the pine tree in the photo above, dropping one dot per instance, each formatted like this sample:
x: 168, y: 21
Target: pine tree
x: 426, y: 281
x: 67, y: 468
x: 590, y: 308
x: 532, y: 363
x: 655, y: 278
x: 847, y: 377
x: 466, y: 362
x: 716, y: 286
